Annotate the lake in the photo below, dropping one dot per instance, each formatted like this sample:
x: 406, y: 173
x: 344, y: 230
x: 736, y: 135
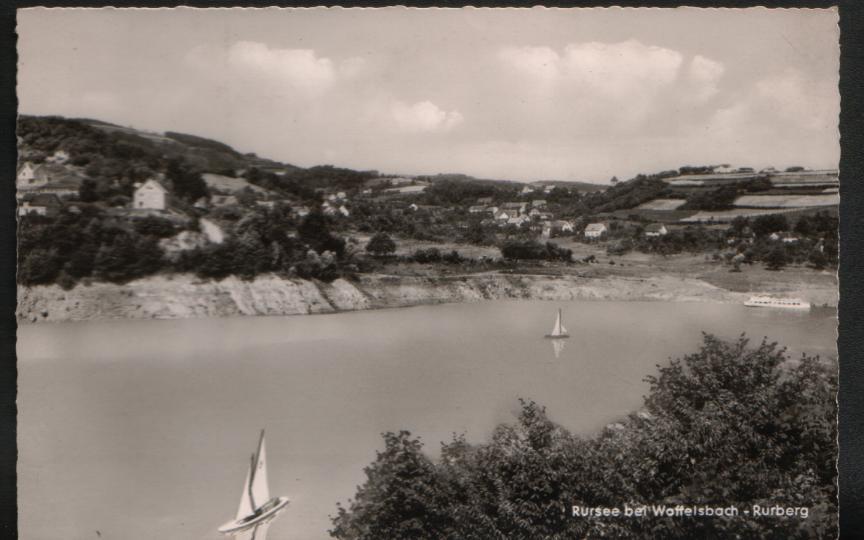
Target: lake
x: 143, y: 429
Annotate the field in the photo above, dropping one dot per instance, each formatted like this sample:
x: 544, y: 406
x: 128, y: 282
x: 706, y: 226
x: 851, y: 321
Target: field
x: 406, y: 189
x: 724, y: 216
x: 661, y: 204
x: 787, y: 201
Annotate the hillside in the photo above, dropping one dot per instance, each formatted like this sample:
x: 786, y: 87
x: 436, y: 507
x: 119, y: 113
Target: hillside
x: 110, y: 203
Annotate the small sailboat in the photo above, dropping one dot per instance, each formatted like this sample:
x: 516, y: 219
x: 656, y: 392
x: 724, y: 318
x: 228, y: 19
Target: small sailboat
x: 256, y: 506
x: 558, y: 331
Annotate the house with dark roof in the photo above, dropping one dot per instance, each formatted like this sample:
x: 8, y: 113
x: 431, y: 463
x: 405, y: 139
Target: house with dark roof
x: 40, y: 204
x: 654, y: 230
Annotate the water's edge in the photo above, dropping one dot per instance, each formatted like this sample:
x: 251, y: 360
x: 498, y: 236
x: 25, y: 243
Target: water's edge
x: 185, y: 296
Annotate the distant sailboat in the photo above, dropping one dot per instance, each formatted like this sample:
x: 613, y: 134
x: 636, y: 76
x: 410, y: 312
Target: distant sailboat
x: 256, y: 506
x: 558, y: 331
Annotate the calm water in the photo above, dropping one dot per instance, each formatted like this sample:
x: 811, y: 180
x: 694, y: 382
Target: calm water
x: 143, y: 429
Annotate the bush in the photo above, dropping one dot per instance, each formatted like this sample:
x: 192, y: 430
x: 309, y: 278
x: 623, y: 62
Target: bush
x: 380, y: 245
x: 530, y: 250
x: 430, y: 255
x: 776, y: 258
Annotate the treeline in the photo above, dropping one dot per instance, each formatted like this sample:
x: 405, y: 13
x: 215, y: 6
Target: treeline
x: 812, y: 239
x: 531, y: 250
x: 730, y: 425
x: 451, y: 192
x: 92, y: 245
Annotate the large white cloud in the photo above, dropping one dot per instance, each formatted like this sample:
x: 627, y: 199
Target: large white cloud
x: 616, y: 68
x: 593, y: 86
x: 271, y: 69
x: 704, y: 76
x: 423, y: 117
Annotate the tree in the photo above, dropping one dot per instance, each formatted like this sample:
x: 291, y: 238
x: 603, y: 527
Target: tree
x: 776, y: 258
x: 186, y: 182
x: 400, y: 498
x: 380, y: 245
x: 767, y: 224
x: 730, y: 424
x: 817, y: 259
x: 314, y: 230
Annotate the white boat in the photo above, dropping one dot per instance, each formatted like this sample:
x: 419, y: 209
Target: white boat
x: 558, y: 331
x: 786, y: 303
x: 257, y: 508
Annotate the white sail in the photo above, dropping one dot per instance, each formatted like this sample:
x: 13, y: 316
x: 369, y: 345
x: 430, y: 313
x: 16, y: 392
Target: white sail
x: 558, y: 329
x: 260, y: 489
x: 245, y: 508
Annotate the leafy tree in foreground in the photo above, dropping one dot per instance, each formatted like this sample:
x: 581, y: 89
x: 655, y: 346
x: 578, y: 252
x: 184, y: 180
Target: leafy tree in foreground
x: 731, y: 424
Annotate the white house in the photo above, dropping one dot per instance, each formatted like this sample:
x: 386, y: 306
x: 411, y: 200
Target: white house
x: 60, y: 157
x: 563, y: 226
x: 526, y: 190
x: 538, y: 203
x: 476, y: 209
x: 595, y: 230
x: 212, y: 231
x: 515, y: 207
x: 301, y: 211
x: 151, y: 195
x: 655, y: 229
x: 785, y: 237
x: 518, y: 220
x: 502, y: 215
x: 26, y: 174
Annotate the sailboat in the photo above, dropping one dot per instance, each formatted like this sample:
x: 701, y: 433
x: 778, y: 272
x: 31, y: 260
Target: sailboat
x: 256, y: 505
x: 558, y: 331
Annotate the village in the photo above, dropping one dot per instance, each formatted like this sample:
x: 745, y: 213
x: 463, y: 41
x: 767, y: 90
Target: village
x: 188, y: 214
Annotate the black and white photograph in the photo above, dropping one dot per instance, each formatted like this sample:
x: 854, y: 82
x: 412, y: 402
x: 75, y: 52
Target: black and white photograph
x: 398, y: 273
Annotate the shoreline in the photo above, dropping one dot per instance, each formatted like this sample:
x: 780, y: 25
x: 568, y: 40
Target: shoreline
x: 182, y: 296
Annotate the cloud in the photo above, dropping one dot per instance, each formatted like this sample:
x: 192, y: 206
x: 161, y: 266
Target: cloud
x: 423, y: 117
x: 812, y: 104
x: 294, y: 67
x: 618, y: 68
x: 597, y: 67
x: 542, y: 64
x: 591, y: 86
x: 782, y: 118
x: 274, y: 70
x: 704, y: 75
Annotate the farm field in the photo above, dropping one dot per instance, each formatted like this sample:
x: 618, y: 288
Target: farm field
x: 788, y: 201
x: 728, y: 215
x: 662, y: 204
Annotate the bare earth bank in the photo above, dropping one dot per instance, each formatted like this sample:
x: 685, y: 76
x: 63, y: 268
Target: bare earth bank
x: 185, y: 296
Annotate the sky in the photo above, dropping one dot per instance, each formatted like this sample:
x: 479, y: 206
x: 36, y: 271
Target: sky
x: 521, y: 94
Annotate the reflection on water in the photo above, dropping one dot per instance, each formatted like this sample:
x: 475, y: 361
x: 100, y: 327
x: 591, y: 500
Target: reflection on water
x: 558, y: 346
x: 258, y: 532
